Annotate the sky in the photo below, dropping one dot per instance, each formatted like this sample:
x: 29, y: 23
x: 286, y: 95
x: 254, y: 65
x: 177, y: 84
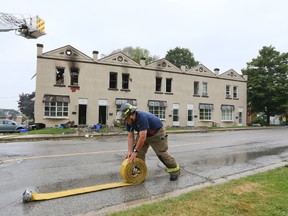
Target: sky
x: 224, y: 34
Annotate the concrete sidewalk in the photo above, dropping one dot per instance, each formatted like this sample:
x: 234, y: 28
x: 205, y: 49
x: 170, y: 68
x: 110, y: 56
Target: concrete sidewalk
x: 80, y: 135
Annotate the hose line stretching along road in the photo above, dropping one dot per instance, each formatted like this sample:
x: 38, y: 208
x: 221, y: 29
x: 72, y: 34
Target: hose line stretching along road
x: 133, y: 173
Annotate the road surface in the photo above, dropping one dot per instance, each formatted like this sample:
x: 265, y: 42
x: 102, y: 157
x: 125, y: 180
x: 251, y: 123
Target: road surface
x: 51, y: 165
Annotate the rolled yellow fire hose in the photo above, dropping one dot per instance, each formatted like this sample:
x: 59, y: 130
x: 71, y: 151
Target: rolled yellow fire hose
x: 133, y: 173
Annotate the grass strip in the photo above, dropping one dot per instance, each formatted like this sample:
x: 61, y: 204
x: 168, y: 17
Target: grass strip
x: 260, y: 194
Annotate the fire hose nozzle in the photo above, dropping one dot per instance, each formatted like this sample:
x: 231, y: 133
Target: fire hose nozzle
x: 27, y: 196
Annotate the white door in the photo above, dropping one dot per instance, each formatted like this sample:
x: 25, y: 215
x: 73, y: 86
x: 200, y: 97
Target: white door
x: 176, y: 115
x: 240, y: 116
x: 190, y: 115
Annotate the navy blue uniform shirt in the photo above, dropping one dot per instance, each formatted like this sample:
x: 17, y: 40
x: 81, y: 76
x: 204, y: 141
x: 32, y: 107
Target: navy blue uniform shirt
x: 145, y: 121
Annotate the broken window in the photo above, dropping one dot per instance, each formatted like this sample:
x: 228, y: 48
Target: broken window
x: 125, y: 81
x: 113, y: 80
x: 59, y: 76
x: 169, y: 85
x: 158, y: 84
x: 74, y: 73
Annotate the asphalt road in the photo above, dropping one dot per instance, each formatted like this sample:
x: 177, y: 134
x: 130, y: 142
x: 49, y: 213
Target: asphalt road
x: 51, y: 165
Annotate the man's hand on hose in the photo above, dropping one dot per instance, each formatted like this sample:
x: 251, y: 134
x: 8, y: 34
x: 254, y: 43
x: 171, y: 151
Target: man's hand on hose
x: 128, y: 155
x: 131, y: 156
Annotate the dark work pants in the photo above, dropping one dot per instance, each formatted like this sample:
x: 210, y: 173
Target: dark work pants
x: 159, y: 144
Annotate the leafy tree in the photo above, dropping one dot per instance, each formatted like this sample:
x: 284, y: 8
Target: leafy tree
x: 26, y: 105
x: 137, y: 53
x: 267, y: 86
x: 181, y: 56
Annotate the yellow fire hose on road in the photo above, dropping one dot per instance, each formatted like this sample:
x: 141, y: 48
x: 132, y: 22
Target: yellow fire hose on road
x: 134, y: 173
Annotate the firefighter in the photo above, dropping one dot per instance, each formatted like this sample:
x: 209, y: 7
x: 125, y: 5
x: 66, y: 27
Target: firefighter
x: 150, y: 132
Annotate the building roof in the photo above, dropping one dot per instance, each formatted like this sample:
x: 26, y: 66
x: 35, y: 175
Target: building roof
x: 9, y: 113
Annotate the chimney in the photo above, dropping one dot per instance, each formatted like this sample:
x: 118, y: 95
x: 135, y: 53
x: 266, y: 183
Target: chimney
x: 39, y: 49
x: 95, y: 55
x: 216, y: 71
x: 142, y: 62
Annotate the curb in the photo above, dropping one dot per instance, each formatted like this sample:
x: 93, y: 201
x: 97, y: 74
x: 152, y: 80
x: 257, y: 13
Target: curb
x: 152, y: 199
x: 27, y: 137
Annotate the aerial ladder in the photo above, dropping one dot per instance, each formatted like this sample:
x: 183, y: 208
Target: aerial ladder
x: 30, y: 28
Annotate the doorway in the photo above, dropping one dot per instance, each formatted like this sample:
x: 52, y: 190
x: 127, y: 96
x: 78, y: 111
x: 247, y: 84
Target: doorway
x: 240, y: 116
x: 102, y: 115
x: 190, y: 115
x: 176, y: 115
x: 82, y: 114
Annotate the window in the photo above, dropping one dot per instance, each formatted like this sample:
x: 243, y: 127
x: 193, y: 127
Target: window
x: 169, y: 85
x: 56, y: 105
x: 113, y: 80
x: 206, y: 111
x: 235, y: 92
x: 59, y: 76
x: 196, y: 88
x: 190, y: 115
x: 175, y: 115
x: 158, y: 108
x: 205, y: 89
x: 158, y: 84
x: 228, y: 93
x: 120, y: 101
x: 125, y: 81
x: 56, y: 109
x: 74, y: 73
x: 227, y: 112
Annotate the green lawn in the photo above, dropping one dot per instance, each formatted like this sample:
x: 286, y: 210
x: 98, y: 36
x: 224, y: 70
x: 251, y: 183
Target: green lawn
x: 261, y: 194
x: 53, y: 131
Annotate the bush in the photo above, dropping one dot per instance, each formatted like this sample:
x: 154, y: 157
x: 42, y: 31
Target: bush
x: 258, y: 120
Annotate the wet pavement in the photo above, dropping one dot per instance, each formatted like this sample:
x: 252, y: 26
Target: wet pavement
x: 54, y: 165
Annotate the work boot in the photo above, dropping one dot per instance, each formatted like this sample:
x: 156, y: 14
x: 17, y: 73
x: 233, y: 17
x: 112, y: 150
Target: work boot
x: 174, y: 176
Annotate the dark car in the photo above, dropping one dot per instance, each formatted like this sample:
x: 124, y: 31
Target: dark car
x: 36, y: 126
x: 10, y: 126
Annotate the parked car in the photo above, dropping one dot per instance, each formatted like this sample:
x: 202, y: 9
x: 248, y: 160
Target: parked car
x: 10, y: 126
x: 36, y: 126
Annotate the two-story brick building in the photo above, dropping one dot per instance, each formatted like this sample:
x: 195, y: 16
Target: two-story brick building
x: 71, y: 86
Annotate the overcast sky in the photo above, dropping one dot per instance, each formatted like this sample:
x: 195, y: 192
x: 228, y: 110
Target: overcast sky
x: 220, y: 33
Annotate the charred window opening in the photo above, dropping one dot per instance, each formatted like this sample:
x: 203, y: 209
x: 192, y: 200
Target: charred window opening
x: 59, y: 76
x: 158, y: 84
x: 113, y: 80
x: 169, y: 85
x: 74, y: 73
x: 125, y: 81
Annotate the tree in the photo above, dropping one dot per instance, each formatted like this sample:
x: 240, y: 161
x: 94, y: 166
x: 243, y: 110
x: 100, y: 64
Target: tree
x: 26, y: 104
x: 181, y: 57
x: 267, y: 85
x: 137, y: 53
